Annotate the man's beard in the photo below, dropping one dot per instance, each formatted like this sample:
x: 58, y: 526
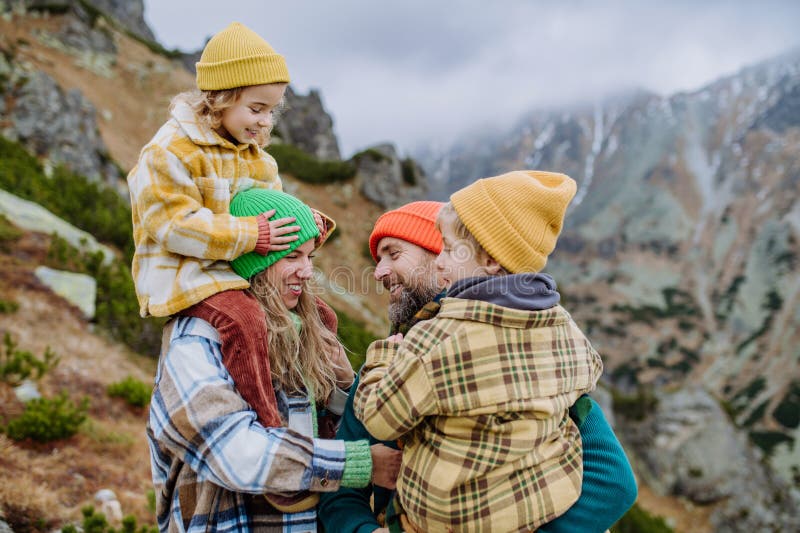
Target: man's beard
x: 411, y: 300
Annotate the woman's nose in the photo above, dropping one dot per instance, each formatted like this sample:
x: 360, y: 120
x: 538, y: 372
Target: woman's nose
x: 305, y: 271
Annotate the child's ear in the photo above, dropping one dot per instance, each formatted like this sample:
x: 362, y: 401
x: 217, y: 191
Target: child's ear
x: 493, y: 268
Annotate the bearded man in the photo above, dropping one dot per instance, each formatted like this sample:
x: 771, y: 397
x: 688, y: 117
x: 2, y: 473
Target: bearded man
x: 404, y: 244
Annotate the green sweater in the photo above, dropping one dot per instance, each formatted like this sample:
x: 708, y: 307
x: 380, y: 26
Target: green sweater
x: 608, y: 490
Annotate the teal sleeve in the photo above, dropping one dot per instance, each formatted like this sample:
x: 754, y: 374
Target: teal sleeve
x: 609, y: 488
x: 348, y: 510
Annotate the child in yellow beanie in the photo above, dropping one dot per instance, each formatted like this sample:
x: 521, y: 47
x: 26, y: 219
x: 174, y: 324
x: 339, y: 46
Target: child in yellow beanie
x: 480, y: 393
x: 210, y: 149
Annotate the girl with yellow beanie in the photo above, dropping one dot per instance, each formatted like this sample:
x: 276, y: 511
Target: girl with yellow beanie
x: 210, y: 149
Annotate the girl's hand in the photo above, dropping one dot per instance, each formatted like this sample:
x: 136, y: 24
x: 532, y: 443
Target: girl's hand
x: 279, y: 230
x: 271, y: 233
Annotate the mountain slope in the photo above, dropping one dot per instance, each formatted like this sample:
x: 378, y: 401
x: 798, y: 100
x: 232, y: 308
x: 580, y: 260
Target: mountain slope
x: 680, y: 251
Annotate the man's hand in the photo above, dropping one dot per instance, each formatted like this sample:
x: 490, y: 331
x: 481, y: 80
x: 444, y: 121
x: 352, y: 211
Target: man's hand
x: 385, y: 465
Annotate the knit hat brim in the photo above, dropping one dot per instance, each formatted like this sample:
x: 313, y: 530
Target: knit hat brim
x: 414, y: 222
x: 257, y: 70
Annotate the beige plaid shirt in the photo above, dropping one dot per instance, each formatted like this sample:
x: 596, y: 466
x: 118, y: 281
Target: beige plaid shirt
x: 180, y: 194
x: 481, y: 395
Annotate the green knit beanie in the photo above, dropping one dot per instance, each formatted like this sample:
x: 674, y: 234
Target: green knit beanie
x: 253, y: 202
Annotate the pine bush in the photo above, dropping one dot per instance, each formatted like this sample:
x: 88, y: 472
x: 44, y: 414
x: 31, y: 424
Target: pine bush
x: 45, y: 420
x: 18, y: 365
x: 136, y: 393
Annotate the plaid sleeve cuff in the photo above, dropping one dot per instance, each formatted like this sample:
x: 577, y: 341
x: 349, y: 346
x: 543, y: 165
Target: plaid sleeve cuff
x: 358, y: 464
x: 381, y: 353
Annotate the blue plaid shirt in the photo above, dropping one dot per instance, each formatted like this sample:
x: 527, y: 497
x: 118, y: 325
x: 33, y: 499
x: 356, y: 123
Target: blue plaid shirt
x: 211, y: 461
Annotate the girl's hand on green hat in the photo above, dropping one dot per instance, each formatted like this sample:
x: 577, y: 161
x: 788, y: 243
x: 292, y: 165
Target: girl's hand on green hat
x: 280, y: 231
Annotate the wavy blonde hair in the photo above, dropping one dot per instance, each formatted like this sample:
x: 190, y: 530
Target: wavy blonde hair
x: 209, y: 106
x: 296, y: 359
x: 448, y: 216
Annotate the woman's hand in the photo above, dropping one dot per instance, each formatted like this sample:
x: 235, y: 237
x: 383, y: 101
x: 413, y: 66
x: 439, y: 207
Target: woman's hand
x: 341, y: 367
x: 385, y: 465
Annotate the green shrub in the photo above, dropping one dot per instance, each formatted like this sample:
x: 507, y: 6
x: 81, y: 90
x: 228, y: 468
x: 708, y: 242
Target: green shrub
x: 355, y: 337
x: 136, y: 393
x: 768, y: 440
x: 67, y: 194
x: 8, y: 306
x: 46, y: 419
x: 371, y: 153
x: 636, y: 406
x: 787, y: 413
x: 409, y: 171
x: 18, y: 365
x: 9, y: 233
x: 637, y: 520
x: 308, y: 168
x: 94, y: 522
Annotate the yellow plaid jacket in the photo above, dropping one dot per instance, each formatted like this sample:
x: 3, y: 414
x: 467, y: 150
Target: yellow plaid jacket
x: 180, y: 194
x: 481, y: 395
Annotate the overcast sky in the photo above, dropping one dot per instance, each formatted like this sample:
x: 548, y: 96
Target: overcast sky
x: 416, y: 71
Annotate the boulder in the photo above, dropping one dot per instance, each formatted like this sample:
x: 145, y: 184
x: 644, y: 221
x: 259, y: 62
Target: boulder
x: 33, y: 217
x: 56, y: 124
x: 386, y: 180
x: 78, y: 289
x: 688, y: 446
x: 305, y: 124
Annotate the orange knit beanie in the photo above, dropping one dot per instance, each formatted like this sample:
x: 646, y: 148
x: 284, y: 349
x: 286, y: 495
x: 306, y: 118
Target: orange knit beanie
x: 517, y: 216
x: 414, y: 222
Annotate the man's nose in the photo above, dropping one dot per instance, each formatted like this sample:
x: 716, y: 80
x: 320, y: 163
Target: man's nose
x: 381, y: 271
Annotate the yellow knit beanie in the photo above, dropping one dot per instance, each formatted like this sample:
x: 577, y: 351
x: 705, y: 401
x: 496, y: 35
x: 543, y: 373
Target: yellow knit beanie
x: 238, y: 57
x: 517, y: 216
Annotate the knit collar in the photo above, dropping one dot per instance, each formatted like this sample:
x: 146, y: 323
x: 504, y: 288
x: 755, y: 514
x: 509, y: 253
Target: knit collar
x: 198, y: 131
x: 526, y: 291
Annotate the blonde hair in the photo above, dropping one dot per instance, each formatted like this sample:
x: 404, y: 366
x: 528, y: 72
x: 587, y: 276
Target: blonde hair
x: 208, y: 106
x: 297, y: 359
x: 448, y: 215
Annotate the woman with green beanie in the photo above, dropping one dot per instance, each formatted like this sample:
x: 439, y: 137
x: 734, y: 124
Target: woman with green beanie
x: 215, y: 467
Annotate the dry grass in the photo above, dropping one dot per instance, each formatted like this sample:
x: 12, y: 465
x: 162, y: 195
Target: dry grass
x: 43, y: 485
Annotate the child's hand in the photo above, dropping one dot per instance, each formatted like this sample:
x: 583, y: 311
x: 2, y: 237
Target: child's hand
x: 277, y: 229
x: 271, y: 233
x: 385, y: 465
x: 397, y: 337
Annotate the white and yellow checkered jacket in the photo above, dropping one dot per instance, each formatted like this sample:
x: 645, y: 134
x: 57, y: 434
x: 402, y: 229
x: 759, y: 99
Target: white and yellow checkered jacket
x: 180, y: 194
